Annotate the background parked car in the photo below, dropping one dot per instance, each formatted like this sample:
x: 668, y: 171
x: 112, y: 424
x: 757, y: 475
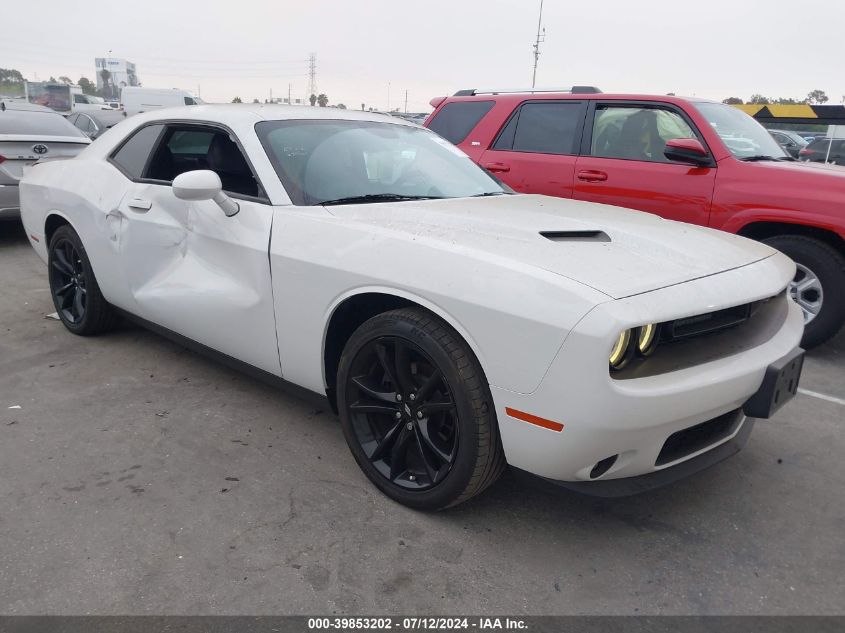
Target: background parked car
x: 791, y: 142
x: 692, y: 160
x: 29, y: 133
x: 89, y: 103
x: 136, y: 99
x: 93, y: 124
x: 817, y: 151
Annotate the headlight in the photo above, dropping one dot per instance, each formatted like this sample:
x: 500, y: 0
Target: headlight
x: 647, y: 338
x: 620, y: 354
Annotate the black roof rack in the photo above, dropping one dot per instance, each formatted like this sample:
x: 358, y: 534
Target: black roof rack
x: 576, y: 90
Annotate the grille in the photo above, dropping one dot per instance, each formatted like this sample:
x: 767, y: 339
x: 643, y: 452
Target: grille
x: 688, y: 441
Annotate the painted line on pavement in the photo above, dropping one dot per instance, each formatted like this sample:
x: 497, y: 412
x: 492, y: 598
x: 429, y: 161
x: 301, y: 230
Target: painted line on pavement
x: 821, y: 396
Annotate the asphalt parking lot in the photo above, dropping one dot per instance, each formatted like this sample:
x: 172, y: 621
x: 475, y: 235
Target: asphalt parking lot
x: 137, y: 477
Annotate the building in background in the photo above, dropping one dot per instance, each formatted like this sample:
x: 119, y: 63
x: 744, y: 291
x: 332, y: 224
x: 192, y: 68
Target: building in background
x: 113, y: 74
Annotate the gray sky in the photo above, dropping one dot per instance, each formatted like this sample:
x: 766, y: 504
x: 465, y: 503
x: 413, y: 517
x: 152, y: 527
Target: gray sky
x: 714, y: 49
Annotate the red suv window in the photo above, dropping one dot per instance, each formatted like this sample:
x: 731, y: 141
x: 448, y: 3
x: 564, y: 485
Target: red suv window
x: 456, y: 120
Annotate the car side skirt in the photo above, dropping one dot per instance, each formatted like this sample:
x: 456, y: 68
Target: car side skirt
x: 314, y: 398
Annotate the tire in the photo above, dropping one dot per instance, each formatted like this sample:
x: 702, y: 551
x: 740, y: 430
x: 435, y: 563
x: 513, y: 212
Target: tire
x: 408, y: 457
x: 73, y: 286
x: 823, y: 261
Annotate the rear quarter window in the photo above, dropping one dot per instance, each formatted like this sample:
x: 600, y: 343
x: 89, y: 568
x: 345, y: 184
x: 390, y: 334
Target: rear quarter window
x: 456, y: 120
x: 132, y: 156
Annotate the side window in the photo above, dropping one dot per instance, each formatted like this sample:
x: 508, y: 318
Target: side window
x: 132, y: 156
x: 456, y: 120
x: 188, y: 148
x: 543, y: 127
x: 77, y: 98
x: 636, y: 133
x: 189, y: 101
x: 83, y: 123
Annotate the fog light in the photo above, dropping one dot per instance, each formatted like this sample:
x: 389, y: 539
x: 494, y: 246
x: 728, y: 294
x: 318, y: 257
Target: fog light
x: 620, y: 353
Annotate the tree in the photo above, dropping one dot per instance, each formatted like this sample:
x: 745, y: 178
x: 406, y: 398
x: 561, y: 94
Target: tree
x: 733, y: 101
x: 11, y: 82
x: 758, y: 100
x: 106, y: 76
x: 313, y: 99
x: 237, y: 100
x: 341, y: 106
x: 323, y: 100
x: 817, y: 97
x: 65, y: 79
x: 256, y: 101
x: 88, y: 86
x: 11, y: 76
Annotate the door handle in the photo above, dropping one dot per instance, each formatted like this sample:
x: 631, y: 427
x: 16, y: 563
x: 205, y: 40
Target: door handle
x: 139, y: 204
x: 592, y: 175
x: 499, y: 168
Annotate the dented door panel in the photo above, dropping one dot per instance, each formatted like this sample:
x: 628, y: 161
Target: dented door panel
x: 201, y: 274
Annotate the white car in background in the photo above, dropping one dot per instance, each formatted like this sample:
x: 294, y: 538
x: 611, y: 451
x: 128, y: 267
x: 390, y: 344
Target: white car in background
x: 454, y: 325
x: 137, y: 99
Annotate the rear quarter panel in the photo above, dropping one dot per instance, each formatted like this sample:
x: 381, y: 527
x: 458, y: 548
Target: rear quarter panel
x: 84, y: 192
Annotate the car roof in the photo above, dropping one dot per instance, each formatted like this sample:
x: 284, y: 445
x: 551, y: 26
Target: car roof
x: 578, y: 96
x: 21, y: 105
x: 235, y: 112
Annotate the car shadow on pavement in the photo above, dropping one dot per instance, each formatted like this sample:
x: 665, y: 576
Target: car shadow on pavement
x: 11, y: 232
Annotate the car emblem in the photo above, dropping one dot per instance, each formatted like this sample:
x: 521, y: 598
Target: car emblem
x: 40, y: 149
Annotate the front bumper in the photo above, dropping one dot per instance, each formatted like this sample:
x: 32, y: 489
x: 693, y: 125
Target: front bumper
x: 627, y: 486
x: 9, y: 202
x: 631, y: 420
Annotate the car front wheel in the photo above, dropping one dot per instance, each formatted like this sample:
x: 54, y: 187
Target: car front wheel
x: 819, y: 276
x: 416, y: 410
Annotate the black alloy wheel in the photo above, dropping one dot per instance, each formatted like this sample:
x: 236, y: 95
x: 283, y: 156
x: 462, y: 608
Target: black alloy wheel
x: 403, y: 413
x: 416, y: 410
x: 73, y: 286
x: 67, y: 281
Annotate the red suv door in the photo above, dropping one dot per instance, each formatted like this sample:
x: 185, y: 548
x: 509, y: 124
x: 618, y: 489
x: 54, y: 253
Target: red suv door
x: 537, y: 148
x: 622, y: 162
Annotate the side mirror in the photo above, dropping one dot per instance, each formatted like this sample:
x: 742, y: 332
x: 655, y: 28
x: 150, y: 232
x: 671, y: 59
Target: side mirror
x: 687, y: 150
x: 204, y: 184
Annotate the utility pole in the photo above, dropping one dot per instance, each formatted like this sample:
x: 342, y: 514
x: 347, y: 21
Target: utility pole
x: 388, y: 96
x: 312, y: 75
x: 289, y: 102
x: 541, y: 37
x: 406, y: 101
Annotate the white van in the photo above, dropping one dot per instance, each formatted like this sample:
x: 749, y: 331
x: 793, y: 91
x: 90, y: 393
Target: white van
x: 136, y: 99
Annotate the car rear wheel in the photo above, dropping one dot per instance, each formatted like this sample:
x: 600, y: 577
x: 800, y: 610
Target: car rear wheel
x: 819, y: 276
x: 416, y: 411
x: 73, y: 286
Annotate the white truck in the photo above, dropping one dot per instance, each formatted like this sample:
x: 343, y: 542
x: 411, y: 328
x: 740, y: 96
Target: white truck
x: 63, y: 98
x: 136, y: 99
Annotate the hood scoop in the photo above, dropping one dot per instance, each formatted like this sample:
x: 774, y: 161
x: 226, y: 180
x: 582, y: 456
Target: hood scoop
x: 576, y: 236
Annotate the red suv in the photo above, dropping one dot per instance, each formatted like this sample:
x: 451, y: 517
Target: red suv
x: 684, y: 159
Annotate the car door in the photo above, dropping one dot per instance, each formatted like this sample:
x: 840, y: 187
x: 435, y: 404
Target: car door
x: 622, y: 162
x: 536, y: 150
x: 188, y: 267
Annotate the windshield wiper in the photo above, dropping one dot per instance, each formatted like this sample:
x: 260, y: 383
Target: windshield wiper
x: 491, y: 193
x: 376, y: 197
x: 759, y: 157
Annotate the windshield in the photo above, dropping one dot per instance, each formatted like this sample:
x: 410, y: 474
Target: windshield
x: 743, y: 136
x: 321, y: 161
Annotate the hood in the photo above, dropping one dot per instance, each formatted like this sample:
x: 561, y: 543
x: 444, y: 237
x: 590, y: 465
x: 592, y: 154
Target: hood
x: 613, y: 250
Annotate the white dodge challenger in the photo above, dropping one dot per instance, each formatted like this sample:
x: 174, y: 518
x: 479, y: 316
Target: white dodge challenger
x: 454, y: 326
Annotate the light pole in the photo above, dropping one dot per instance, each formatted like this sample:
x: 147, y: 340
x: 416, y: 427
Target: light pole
x: 541, y: 37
